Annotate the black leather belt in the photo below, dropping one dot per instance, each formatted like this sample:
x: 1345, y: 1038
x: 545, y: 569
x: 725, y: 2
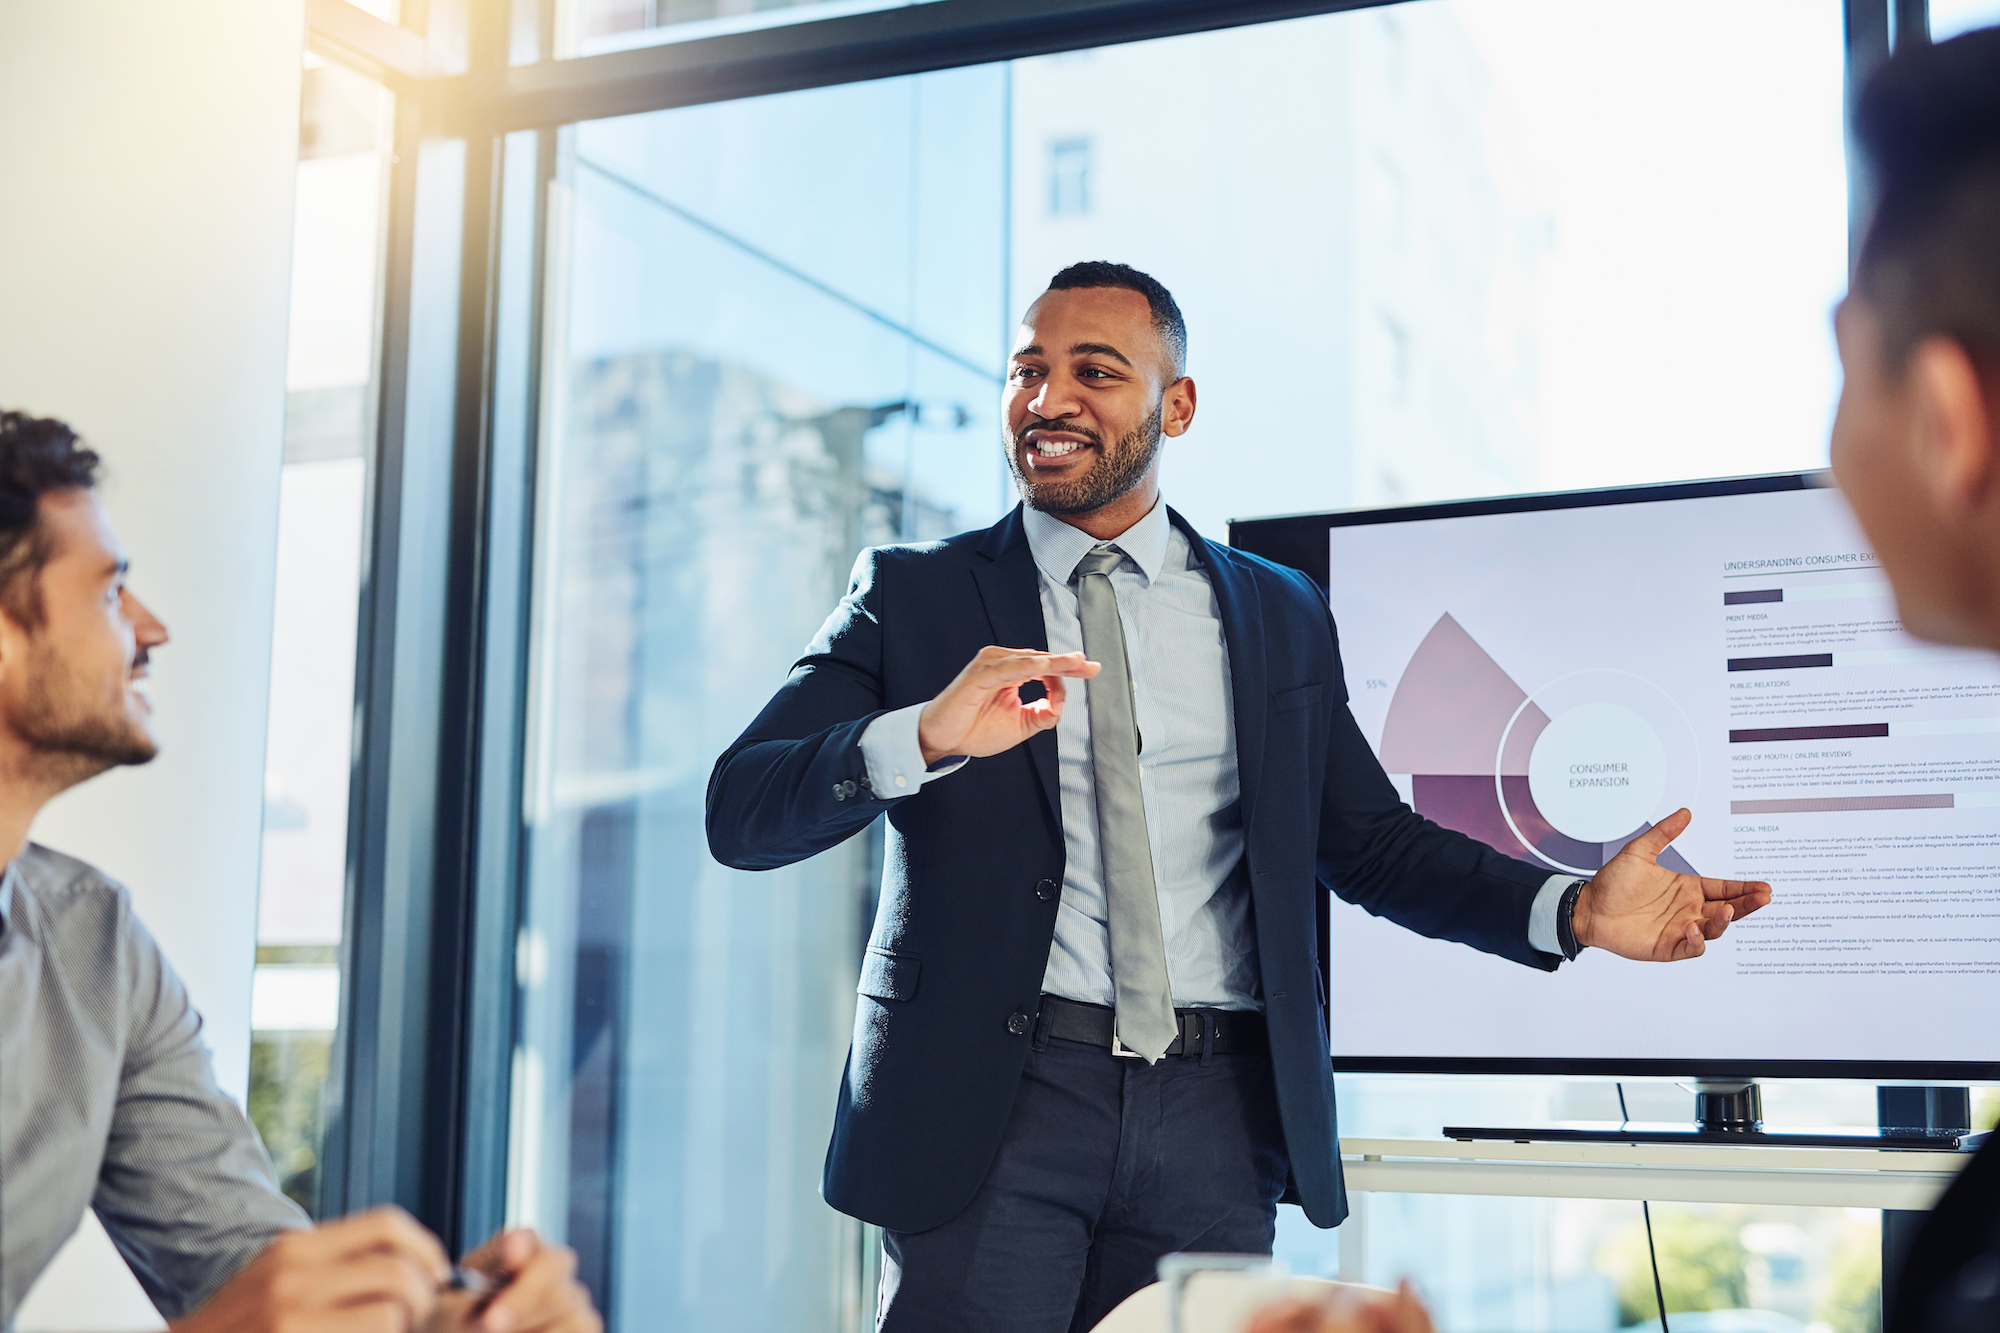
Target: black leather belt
x: 1221, y: 1031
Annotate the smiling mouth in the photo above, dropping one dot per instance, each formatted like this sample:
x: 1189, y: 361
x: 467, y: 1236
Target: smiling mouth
x: 1053, y: 449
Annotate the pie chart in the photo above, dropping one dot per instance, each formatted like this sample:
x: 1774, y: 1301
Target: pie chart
x: 1566, y: 775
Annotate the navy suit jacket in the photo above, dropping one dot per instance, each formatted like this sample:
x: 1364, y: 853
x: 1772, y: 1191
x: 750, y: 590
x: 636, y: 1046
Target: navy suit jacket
x: 968, y: 906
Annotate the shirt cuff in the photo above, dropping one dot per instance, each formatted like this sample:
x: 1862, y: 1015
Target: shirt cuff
x: 895, y: 759
x: 1541, y: 917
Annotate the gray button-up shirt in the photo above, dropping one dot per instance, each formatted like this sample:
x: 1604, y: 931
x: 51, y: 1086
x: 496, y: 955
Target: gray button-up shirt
x: 107, y: 1099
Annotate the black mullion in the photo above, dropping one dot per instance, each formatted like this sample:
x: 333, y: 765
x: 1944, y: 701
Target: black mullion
x: 453, y: 903
x: 354, y: 1076
x: 404, y: 956
x: 1913, y: 23
x: 912, y: 39
x: 451, y: 1078
x: 496, y: 881
x: 1867, y: 26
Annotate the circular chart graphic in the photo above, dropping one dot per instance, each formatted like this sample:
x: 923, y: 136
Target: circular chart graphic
x: 1597, y: 771
x: 1589, y: 761
x: 1567, y: 775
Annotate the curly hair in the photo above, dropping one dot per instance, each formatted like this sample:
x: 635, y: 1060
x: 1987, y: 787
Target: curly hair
x: 37, y: 455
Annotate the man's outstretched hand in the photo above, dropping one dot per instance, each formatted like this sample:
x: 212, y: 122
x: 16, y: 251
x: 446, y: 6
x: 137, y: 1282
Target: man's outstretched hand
x: 981, y: 712
x: 1637, y: 908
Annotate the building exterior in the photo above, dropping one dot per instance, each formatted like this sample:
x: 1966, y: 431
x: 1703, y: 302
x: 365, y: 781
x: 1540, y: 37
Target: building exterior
x: 1353, y: 237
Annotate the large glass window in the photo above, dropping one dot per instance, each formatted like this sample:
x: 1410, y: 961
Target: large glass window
x: 1584, y: 1264
x: 1443, y: 248
x: 329, y: 432
x: 1463, y: 247
x: 1581, y: 1264
x: 781, y: 324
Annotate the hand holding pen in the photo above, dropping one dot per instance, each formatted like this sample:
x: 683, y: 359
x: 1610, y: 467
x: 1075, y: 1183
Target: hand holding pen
x: 381, y: 1272
x: 515, y: 1283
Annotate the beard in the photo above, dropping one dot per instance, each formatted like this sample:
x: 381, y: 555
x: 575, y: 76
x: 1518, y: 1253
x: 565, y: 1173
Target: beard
x: 74, y: 732
x: 1118, y: 469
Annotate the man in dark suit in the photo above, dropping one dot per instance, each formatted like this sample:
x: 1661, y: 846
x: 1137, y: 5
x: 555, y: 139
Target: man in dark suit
x: 1091, y: 1028
x: 1916, y: 447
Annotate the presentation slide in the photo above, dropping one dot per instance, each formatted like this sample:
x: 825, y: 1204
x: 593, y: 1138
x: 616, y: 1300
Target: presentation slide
x: 1555, y: 682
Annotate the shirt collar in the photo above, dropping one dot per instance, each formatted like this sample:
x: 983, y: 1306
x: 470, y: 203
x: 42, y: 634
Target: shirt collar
x: 1058, y: 546
x: 7, y: 897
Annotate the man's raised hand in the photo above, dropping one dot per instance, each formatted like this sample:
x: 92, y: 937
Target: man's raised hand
x: 981, y: 712
x: 1637, y: 908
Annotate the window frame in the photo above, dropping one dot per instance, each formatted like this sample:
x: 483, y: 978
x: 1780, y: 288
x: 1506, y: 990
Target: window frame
x: 424, y: 1052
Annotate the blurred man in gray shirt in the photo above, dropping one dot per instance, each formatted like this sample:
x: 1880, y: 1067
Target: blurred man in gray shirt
x: 107, y: 1099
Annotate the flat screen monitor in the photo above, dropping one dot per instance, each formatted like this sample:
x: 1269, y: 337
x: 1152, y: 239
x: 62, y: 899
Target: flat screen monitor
x: 1552, y: 674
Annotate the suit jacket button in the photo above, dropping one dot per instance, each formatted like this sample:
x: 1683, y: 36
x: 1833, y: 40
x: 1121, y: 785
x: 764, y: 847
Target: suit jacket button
x: 839, y: 791
x: 1017, y: 1024
x: 1047, y: 890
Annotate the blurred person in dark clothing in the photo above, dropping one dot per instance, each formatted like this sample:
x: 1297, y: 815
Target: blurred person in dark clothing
x: 1916, y: 448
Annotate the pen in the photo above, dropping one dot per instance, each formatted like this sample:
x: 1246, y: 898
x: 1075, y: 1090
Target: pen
x: 474, y: 1281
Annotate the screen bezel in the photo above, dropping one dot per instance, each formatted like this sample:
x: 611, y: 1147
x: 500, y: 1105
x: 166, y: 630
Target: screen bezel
x: 1300, y: 541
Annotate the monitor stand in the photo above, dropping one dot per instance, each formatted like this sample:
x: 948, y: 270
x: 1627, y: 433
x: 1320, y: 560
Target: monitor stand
x: 1727, y: 1112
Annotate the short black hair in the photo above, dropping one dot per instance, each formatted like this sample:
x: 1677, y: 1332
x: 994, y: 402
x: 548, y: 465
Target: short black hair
x: 1167, y: 321
x: 37, y: 455
x: 1928, y: 123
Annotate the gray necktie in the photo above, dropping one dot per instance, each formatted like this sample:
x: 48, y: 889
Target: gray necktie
x: 1146, y: 1023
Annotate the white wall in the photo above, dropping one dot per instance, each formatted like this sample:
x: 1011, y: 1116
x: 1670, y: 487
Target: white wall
x: 145, y: 231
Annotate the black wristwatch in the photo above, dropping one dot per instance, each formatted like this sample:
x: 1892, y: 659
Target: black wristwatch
x: 1566, y: 921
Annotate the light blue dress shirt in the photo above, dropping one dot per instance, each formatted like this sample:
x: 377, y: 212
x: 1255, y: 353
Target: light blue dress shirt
x: 1187, y: 771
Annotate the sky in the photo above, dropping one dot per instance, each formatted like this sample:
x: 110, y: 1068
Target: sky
x: 1697, y: 195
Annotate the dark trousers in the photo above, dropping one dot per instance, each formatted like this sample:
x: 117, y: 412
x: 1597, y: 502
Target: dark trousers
x: 1107, y: 1164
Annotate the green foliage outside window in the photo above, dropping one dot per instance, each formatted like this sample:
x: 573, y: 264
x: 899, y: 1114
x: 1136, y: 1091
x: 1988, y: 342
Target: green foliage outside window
x: 287, y: 1085
x: 1703, y: 1266
x: 1852, y: 1299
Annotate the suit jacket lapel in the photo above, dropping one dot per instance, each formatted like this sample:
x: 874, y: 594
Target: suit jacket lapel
x: 1010, y: 588
x: 1249, y: 677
